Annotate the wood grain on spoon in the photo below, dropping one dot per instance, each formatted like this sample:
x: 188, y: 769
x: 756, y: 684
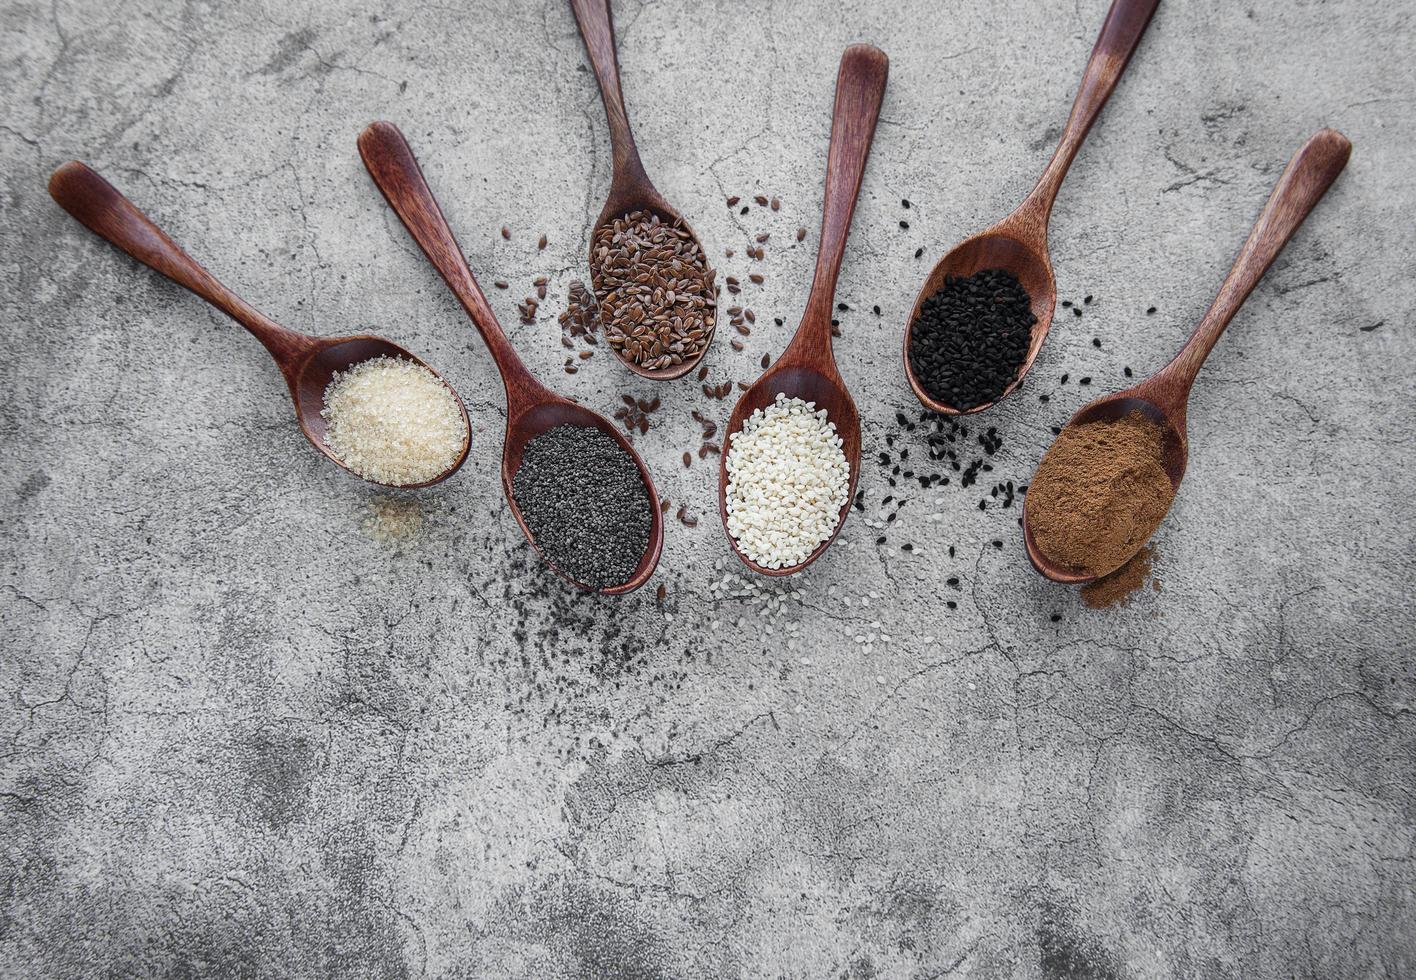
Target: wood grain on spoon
x: 531, y: 407
x: 1164, y: 397
x: 1018, y: 243
x: 630, y: 186
x: 807, y: 368
x: 307, y: 363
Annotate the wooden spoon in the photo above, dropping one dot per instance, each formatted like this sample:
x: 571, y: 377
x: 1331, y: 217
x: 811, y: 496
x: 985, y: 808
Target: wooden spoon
x: 807, y: 368
x: 531, y: 407
x: 308, y: 363
x: 1163, y: 397
x: 1018, y: 243
x: 630, y: 187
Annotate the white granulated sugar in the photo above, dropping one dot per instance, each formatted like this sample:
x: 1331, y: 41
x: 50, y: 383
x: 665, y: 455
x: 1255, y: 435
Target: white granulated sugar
x: 787, y: 482
x: 393, y: 421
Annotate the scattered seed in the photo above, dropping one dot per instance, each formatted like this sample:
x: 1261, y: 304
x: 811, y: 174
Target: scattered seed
x: 506, y: 232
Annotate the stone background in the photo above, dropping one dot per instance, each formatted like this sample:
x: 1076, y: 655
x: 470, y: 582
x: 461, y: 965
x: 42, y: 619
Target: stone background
x: 260, y: 719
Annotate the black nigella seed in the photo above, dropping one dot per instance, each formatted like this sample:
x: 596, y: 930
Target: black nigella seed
x: 904, y: 202
x: 907, y: 547
x: 952, y: 604
x: 1128, y: 372
x: 998, y: 545
x: 919, y: 251
x: 1087, y: 300
x: 1066, y: 304
x: 1056, y: 617
x: 1096, y: 341
x: 777, y: 320
x: 1151, y: 311
x: 1064, y: 378
x: 1076, y: 311
x: 970, y: 338
x: 744, y: 209
x: 876, y: 309
x: 1085, y: 381
x: 842, y: 307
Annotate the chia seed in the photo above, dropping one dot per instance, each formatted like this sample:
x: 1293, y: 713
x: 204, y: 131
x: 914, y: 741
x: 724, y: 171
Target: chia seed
x: 585, y: 504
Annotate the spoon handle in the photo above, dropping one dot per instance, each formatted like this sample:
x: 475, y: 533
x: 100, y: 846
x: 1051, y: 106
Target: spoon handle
x: 1307, y: 178
x: 860, y: 88
x: 395, y: 170
x: 102, y: 209
x: 1120, y: 35
x: 597, y: 28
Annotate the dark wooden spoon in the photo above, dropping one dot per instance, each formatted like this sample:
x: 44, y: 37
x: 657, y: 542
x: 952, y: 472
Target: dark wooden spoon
x: 630, y: 187
x: 531, y: 407
x: 807, y: 368
x: 1164, y: 396
x: 308, y: 363
x: 1018, y: 243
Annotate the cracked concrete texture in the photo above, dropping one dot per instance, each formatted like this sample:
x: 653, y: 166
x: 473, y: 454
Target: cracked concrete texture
x: 260, y: 719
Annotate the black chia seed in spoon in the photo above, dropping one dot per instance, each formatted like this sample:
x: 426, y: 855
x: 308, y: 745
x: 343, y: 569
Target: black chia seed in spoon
x: 971, y: 338
x: 583, y: 500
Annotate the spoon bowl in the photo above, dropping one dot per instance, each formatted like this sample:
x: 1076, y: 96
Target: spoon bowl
x: 307, y: 363
x: 531, y: 407
x: 998, y: 248
x: 827, y: 391
x: 543, y: 416
x: 1018, y: 243
x: 630, y: 187
x: 807, y: 368
x: 1164, y: 397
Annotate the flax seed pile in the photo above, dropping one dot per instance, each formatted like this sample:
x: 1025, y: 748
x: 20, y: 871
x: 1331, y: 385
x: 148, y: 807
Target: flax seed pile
x: 655, y: 290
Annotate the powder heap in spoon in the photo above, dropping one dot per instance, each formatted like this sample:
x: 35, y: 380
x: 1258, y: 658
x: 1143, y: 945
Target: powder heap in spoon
x: 1099, y: 494
x: 585, y: 504
x: 393, y: 421
x: 971, y: 337
x: 787, y: 483
x: 655, y: 290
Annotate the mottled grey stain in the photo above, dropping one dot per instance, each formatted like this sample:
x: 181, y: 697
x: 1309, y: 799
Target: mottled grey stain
x: 33, y: 484
x: 1067, y: 952
x: 596, y: 932
x: 281, y: 765
x: 288, y: 51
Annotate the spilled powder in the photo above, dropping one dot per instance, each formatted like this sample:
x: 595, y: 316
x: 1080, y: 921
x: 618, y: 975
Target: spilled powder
x: 393, y: 520
x: 1099, y: 494
x: 1117, y: 588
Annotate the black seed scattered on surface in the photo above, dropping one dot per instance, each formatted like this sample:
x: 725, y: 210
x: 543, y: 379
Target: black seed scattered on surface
x: 876, y: 309
x: 842, y: 307
x: 1087, y: 300
x: 919, y: 251
x: 1085, y: 381
x: 1076, y: 311
x: 1096, y: 341
x: 1057, y: 617
x: 952, y: 604
x: 1151, y: 311
x: 905, y: 225
x: 1128, y: 372
x: 904, y: 202
x: 587, y: 508
x: 971, y: 337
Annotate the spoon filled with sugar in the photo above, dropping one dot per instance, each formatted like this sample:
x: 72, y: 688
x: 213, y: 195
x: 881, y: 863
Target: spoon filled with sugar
x: 363, y: 401
x: 1108, y: 481
x: 601, y: 528
x: 791, y: 457
x: 985, y: 309
x: 650, y: 275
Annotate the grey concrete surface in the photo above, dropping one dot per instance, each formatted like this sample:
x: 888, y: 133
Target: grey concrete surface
x: 260, y: 719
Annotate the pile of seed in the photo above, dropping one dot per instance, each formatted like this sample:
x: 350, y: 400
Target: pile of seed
x: 788, y: 481
x: 393, y: 421
x: 655, y: 290
x: 582, y: 498
x: 971, y: 338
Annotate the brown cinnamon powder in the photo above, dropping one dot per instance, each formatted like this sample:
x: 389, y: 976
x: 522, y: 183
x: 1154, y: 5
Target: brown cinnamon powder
x: 1116, y: 589
x: 1099, y: 494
